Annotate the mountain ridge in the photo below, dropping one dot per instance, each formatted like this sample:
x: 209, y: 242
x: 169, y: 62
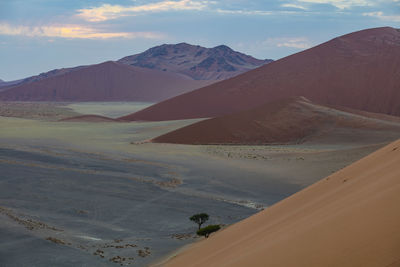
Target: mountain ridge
x: 195, y: 61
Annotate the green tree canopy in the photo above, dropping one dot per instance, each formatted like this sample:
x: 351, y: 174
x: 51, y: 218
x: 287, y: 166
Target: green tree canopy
x: 200, y: 218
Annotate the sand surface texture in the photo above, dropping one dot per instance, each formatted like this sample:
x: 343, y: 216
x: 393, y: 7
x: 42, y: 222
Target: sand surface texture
x: 350, y: 218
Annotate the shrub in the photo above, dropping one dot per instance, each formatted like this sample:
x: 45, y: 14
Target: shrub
x: 206, y: 231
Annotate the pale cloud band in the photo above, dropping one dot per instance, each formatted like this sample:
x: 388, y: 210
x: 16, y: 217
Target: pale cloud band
x: 342, y: 4
x: 296, y: 6
x: 71, y: 31
x: 107, y: 11
x: 380, y: 15
x: 294, y: 42
x: 245, y: 12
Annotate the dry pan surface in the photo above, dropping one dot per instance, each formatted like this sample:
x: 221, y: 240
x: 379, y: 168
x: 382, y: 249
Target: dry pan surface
x: 75, y: 193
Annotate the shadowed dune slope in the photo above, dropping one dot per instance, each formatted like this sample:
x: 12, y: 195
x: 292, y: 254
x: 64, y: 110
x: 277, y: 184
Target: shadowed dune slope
x: 350, y: 218
x: 360, y: 70
x: 108, y: 81
x: 291, y: 120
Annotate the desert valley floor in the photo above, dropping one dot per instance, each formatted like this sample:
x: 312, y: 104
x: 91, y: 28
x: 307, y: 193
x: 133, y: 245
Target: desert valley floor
x: 99, y: 194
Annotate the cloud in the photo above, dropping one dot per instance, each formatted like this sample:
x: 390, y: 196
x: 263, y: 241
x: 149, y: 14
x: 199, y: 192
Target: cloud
x: 107, y: 11
x: 245, y: 12
x: 71, y: 31
x: 296, y: 42
x: 382, y: 16
x: 294, y: 6
x: 341, y: 4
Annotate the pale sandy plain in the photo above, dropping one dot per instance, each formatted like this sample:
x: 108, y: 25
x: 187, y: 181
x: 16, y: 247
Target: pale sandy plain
x: 96, y: 194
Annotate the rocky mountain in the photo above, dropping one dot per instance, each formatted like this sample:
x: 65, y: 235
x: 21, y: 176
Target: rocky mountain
x: 197, y: 62
x: 360, y: 70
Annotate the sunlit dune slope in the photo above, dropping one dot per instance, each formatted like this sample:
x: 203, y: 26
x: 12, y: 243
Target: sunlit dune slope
x: 350, y: 218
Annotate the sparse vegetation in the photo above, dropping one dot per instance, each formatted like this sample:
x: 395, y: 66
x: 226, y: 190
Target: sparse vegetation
x: 200, y: 218
x: 206, y: 231
x: 56, y: 240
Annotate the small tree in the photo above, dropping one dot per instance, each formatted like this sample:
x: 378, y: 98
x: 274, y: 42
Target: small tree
x: 199, y: 218
x: 206, y: 231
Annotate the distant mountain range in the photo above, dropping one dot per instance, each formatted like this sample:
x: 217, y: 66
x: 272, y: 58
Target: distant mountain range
x: 154, y: 75
x: 197, y: 62
x: 360, y: 70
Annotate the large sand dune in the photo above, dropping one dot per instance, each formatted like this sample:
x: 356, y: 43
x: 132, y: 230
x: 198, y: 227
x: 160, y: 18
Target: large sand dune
x: 290, y: 120
x: 359, y: 70
x: 108, y: 81
x: 350, y: 218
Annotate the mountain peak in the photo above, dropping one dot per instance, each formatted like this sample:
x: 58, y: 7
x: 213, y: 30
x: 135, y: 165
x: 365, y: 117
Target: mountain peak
x: 223, y: 48
x: 183, y: 44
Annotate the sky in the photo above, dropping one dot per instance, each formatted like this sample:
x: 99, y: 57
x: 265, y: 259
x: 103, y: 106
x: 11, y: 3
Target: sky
x: 40, y: 35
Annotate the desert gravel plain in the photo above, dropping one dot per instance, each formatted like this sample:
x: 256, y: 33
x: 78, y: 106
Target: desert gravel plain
x: 100, y: 194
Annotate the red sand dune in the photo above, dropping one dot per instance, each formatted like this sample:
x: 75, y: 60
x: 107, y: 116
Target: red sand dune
x: 89, y: 118
x: 350, y: 218
x: 360, y: 70
x: 109, y: 81
x: 291, y: 120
